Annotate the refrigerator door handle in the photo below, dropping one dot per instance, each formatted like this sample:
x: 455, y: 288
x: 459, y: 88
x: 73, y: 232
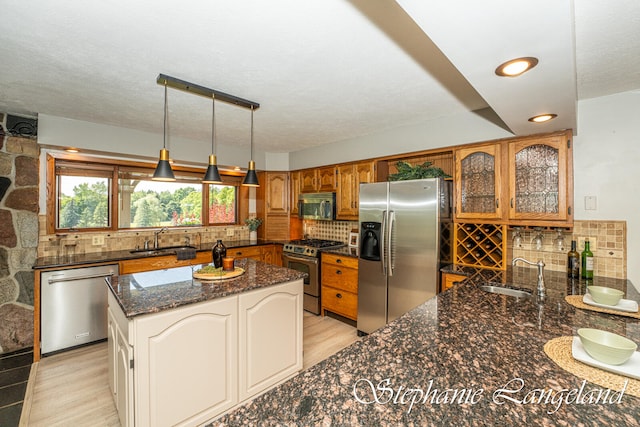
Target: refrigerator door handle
x: 383, y: 246
x: 390, y: 258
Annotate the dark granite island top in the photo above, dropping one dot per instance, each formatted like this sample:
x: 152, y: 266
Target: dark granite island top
x: 463, y: 339
x: 155, y: 291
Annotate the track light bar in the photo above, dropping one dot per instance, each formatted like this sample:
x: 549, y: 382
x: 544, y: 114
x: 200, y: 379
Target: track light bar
x: 205, y: 91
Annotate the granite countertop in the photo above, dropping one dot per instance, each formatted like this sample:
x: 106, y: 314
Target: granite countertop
x: 155, y: 291
x: 462, y: 339
x: 114, y: 256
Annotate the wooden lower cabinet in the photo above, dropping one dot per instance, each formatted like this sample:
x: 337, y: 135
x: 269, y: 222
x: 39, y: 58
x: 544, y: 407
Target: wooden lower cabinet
x: 253, y: 252
x: 339, y: 285
x: 449, y: 279
x: 264, y: 253
x: 161, y: 262
x: 188, y: 365
x: 272, y: 254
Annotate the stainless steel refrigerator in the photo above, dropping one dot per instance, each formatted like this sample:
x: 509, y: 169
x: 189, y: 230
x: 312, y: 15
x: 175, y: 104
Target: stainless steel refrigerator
x: 400, y: 239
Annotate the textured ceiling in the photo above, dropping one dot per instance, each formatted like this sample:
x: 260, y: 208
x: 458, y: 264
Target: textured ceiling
x: 322, y: 70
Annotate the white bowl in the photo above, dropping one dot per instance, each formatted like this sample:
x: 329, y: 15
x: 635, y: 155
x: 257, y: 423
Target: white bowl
x: 606, y: 347
x: 606, y: 296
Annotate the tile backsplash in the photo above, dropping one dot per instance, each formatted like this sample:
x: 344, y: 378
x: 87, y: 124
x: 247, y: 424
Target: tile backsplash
x: 608, y: 242
x: 329, y: 230
x: 56, y: 245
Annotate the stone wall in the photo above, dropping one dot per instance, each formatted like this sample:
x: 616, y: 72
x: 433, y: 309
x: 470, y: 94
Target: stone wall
x: 18, y: 238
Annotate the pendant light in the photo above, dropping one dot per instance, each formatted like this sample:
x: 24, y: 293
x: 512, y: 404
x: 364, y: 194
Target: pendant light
x: 163, y: 169
x: 251, y: 179
x: 212, y: 176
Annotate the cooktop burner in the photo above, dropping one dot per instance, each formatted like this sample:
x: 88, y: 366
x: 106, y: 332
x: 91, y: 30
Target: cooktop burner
x: 316, y: 243
x: 310, y: 247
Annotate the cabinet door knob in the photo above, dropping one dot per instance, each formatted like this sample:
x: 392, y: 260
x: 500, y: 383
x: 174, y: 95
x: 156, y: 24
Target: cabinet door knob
x: 512, y: 202
x: 497, y: 203
x: 338, y: 295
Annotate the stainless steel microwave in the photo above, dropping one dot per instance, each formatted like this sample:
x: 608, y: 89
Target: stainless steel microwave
x: 320, y: 206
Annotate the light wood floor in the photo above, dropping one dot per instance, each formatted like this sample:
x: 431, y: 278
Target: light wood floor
x: 71, y: 389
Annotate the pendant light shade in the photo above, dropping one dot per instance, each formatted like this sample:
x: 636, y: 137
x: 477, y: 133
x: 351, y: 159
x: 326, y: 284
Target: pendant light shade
x: 251, y: 179
x: 212, y: 176
x: 163, y: 170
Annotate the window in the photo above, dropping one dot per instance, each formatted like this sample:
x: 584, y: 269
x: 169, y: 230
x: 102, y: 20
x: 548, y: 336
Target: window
x: 143, y: 202
x: 222, y: 204
x: 87, y: 193
x: 83, y: 196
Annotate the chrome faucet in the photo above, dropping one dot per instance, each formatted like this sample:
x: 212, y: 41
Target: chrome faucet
x: 540, y: 264
x: 155, y: 237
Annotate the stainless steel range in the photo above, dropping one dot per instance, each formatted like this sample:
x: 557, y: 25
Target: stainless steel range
x: 304, y: 255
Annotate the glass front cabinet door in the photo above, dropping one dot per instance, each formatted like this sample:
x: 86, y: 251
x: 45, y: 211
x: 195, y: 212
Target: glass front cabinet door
x: 538, y: 171
x: 478, y: 182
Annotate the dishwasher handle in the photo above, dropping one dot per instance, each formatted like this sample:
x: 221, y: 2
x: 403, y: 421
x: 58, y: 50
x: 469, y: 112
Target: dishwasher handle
x: 74, y: 278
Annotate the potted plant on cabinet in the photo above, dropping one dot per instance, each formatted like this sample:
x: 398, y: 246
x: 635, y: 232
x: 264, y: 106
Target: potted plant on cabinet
x: 253, y: 224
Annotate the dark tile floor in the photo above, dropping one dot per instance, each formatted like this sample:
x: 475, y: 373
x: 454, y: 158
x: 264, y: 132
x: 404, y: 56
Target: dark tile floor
x: 14, y: 373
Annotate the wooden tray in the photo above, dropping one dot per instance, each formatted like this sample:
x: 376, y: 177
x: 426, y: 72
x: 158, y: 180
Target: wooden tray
x: 222, y: 275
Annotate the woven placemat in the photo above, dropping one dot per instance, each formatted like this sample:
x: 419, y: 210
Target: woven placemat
x: 576, y: 301
x: 559, y: 350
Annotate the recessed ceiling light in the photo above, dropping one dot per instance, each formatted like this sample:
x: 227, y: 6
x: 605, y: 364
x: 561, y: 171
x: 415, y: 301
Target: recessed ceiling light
x: 516, y: 67
x: 71, y: 150
x: 541, y: 118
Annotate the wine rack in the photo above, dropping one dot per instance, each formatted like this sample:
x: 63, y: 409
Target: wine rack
x: 446, y: 242
x: 481, y: 245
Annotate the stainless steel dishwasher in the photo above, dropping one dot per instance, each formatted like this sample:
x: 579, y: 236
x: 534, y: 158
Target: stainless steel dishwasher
x: 73, y: 306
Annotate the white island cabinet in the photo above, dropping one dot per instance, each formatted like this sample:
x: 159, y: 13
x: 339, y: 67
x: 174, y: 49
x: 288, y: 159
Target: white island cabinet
x: 187, y: 365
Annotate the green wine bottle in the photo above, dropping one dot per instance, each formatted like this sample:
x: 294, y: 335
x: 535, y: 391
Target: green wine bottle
x: 587, y: 261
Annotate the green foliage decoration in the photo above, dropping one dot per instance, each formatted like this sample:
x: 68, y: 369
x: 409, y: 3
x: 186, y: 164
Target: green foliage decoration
x: 253, y: 223
x: 406, y: 171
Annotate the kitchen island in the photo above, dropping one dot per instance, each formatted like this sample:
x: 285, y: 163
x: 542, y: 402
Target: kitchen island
x: 477, y: 356
x: 182, y: 350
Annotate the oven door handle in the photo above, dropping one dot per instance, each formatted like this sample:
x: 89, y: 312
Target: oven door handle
x: 305, y: 259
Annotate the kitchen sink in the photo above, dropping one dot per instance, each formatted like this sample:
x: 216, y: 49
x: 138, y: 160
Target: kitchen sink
x: 160, y: 251
x: 502, y: 290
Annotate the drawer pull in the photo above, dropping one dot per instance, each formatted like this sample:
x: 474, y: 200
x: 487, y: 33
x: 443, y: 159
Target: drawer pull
x: 338, y: 295
x: 238, y: 253
x: 338, y: 272
x: 338, y: 261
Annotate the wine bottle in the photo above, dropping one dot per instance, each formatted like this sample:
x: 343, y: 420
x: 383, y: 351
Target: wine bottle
x: 573, y: 262
x: 587, y: 261
x: 218, y: 252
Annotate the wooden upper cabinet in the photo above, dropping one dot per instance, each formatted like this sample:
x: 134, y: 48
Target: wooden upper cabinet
x: 308, y: 181
x: 277, y: 193
x: 295, y: 183
x: 478, y: 182
x: 327, y: 180
x: 318, y: 180
x: 349, y: 179
x: 525, y: 181
x: 539, y: 171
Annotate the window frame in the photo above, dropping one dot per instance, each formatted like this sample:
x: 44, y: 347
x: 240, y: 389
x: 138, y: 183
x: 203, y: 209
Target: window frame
x: 104, y: 166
